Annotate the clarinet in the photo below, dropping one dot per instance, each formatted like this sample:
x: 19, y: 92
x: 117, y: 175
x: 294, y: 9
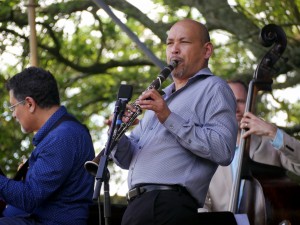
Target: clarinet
x: 92, y: 166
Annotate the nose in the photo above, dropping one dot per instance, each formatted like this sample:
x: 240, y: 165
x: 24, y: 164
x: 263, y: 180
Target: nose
x: 175, y: 49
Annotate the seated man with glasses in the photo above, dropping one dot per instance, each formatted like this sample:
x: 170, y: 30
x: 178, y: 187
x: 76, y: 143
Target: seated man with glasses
x: 56, y: 189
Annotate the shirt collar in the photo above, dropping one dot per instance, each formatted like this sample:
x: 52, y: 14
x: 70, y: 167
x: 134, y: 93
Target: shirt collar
x: 203, y: 72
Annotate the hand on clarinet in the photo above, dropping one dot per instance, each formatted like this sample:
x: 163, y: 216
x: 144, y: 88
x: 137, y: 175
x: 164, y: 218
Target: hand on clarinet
x: 127, y: 114
x: 152, y: 100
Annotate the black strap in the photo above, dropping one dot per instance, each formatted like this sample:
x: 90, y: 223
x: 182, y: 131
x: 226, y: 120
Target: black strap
x: 67, y: 117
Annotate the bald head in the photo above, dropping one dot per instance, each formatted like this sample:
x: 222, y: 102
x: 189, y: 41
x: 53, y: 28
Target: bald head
x: 199, y: 28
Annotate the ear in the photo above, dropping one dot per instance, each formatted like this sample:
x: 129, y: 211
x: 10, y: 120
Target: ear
x: 208, y: 50
x: 31, y: 104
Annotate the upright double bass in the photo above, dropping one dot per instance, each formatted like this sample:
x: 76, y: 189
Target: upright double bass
x: 273, y: 212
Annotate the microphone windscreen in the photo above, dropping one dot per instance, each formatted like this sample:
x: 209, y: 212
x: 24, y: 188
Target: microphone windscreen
x: 125, y: 92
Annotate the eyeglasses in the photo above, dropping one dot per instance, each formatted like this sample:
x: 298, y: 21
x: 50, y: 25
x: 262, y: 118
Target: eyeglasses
x: 12, y: 107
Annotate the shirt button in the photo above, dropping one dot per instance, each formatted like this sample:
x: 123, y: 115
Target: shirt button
x: 190, y: 141
x: 140, y: 147
x: 171, y: 126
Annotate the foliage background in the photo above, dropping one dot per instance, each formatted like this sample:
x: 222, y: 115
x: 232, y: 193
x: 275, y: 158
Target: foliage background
x: 91, y: 56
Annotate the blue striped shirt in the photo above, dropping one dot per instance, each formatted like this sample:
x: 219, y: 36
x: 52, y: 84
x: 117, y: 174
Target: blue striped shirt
x: 186, y: 149
x: 57, y: 188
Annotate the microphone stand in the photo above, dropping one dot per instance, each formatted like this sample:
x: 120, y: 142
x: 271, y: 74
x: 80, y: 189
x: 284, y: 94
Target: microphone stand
x: 106, y: 202
x: 102, y: 171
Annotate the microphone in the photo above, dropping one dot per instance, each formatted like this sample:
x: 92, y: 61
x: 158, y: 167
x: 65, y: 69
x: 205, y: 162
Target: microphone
x: 125, y: 92
x: 124, y: 96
